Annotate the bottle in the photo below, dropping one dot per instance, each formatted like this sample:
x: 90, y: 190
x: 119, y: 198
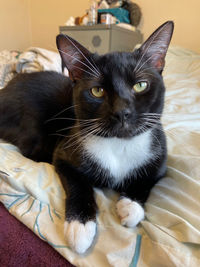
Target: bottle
x: 92, y: 13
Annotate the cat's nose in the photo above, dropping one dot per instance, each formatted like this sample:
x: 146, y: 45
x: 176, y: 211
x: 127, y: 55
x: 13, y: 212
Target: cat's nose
x: 122, y: 115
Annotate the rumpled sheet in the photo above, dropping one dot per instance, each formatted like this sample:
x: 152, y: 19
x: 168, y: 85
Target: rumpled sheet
x: 7, y: 66
x: 170, y: 233
x: 31, y: 60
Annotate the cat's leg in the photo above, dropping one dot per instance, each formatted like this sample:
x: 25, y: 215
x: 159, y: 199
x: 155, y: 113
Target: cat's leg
x: 130, y: 206
x: 80, y: 223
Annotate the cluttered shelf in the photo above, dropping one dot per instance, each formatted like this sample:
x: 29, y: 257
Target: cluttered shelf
x: 107, y: 26
x: 104, y: 38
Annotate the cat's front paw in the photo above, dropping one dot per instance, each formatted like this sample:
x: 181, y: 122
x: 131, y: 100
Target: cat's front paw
x: 130, y: 212
x: 79, y: 236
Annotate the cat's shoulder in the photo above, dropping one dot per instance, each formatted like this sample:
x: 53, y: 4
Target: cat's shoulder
x: 39, y: 76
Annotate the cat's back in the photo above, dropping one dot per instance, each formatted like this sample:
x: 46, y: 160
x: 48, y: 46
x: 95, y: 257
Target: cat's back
x: 44, y: 82
x: 26, y: 103
x: 39, y: 91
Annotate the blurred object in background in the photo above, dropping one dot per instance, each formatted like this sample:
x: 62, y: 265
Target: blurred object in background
x: 121, y: 14
x: 108, y: 19
x: 103, y: 4
x: 70, y: 22
x: 135, y: 13
x: 92, y: 13
x: 109, y: 12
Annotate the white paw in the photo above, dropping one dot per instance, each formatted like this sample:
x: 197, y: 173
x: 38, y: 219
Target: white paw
x: 79, y: 236
x: 130, y: 212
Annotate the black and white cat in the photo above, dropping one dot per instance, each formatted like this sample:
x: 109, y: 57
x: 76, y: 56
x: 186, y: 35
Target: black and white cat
x: 100, y: 128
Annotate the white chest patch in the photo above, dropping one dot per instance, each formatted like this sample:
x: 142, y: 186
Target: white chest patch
x: 120, y: 156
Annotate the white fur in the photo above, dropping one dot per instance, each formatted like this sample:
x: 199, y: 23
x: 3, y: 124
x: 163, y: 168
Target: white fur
x: 130, y: 212
x: 120, y: 156
x: 79, y: 236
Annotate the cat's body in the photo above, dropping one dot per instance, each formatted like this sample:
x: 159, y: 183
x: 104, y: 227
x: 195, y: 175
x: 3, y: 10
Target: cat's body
x: 103, y: 129
x: 26, y: 103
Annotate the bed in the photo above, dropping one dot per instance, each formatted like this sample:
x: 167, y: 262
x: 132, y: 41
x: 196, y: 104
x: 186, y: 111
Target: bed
x: 170, y: 233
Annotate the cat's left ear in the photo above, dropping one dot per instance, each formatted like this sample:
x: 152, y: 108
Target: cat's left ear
x: 155, y: 47
x: 75, y: 57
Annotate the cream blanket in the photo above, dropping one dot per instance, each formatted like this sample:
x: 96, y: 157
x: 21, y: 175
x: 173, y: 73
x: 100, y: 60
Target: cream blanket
x: 170, y: 233
x: 31, y: 60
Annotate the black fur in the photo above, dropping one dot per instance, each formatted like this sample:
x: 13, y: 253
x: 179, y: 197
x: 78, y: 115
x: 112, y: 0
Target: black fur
x: 26, y: 103
x: 32, y: 108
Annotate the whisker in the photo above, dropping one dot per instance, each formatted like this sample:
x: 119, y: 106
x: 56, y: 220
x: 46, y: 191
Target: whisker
x: 72, y: 119
x: 78, y: 141
x: 141, y: 74
x: 52, y: 119
x: 63, y: 111
x: 56, y: 134
x: 158, y: 115
x: 86, y: 123
x: 95, y: 66
x: 159, y: 127
x: 154, y: 114
x: 82, y: 132
x: 91, y: 133
x: 148, y: 68
x: 85, y: 71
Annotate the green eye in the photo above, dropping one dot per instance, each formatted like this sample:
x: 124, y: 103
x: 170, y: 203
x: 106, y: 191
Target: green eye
x: 139, y: 87
x: 97, y: 92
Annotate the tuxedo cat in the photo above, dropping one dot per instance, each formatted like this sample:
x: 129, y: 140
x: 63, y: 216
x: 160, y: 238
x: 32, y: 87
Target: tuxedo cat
x: 100, y: 127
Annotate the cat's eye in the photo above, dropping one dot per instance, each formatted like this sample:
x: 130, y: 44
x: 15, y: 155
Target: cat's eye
x: 140, y: 87
x: 97, y: 92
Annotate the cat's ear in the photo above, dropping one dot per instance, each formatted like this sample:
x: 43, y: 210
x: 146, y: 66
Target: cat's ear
x: 74, y: 56
x: 154, y: 49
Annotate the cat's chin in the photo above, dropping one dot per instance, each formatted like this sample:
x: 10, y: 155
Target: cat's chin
x: 125, y: 135
x: 119, y: 133
x: 123, y: 132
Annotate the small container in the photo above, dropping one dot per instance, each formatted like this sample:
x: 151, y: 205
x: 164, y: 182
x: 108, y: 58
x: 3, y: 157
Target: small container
x: 92, y: 13
x: 106, y: 18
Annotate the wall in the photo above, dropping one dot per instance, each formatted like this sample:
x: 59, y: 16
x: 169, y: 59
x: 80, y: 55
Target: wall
x: 35, y: 22
x: 48, y: 15
x: 14, y: 25
x: 185, y: 14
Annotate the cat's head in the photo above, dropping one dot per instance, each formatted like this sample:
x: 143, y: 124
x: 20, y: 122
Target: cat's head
x: 120, y: 93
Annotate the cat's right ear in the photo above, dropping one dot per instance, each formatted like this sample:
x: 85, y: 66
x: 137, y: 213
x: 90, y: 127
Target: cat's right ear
x: 154, y: 49
x: 74, y: 56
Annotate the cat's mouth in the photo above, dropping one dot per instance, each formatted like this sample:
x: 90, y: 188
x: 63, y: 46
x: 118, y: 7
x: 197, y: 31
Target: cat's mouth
x: 124, y: 129
x: 123, y: 132
x: 111, y: 128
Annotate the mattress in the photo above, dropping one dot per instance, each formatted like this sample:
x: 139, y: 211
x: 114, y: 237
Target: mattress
x: 170, y: 233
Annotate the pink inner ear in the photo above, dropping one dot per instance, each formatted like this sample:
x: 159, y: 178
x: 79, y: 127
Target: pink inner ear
x: 159, y: 64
